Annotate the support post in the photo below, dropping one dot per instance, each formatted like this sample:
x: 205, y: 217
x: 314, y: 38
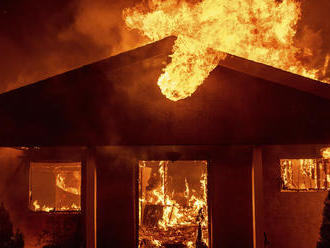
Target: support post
x: 90, y: 199
x: 257, y: 198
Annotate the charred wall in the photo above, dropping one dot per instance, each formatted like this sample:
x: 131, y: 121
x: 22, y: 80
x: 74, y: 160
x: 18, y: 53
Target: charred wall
x: 291, y: 219
x: 229, y: 192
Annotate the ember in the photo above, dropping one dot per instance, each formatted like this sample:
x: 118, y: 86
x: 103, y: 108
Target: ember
x: 173, y: 208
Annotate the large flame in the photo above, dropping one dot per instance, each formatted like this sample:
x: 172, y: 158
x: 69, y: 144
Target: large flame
x: 259, y: 30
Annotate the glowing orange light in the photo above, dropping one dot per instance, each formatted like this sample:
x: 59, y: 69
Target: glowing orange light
x: 259, y: 30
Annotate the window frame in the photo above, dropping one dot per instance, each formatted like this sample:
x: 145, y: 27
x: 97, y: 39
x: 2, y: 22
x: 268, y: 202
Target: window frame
x: 318, y: 161
x: 165, y: 158
x: 54, y: 210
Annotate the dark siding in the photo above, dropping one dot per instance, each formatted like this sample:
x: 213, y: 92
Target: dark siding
x: 292, y: 219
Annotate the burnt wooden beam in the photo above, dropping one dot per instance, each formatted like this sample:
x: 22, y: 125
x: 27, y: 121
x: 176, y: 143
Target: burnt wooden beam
x: 257, y: 198
x: 90, y: 199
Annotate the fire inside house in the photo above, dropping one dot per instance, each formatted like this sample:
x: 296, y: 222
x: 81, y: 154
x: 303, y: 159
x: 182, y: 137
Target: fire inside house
x: 55, y: 187
x: 173, y: 203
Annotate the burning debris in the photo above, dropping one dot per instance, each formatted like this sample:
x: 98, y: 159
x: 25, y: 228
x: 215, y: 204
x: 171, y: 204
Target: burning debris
x: 259, y: 30
x: 173, y: 208
x: 55, y: 187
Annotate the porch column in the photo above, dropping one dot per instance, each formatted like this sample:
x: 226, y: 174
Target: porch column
x: 257, y: 198
x: 90, y: 199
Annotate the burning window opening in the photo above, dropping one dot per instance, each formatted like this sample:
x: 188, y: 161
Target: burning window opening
x: 305, y: 174
x: 55, y: 187
x: 173, y: 210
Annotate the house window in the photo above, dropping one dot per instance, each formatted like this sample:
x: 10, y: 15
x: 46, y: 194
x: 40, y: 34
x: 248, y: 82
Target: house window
x: 173, y: 209
x: 55, y: 186
x: 305, y: 174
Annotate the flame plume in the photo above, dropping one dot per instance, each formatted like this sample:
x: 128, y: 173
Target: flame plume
x: 258, y: 30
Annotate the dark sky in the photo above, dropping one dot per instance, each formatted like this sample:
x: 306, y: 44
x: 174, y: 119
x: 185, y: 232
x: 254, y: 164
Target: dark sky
x: 42, y: 38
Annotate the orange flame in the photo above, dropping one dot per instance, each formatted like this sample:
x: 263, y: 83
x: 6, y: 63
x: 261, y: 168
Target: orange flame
x: 60, y: 182
x: 259, y: 30
x: 37, y: 207
x: 44, y: 208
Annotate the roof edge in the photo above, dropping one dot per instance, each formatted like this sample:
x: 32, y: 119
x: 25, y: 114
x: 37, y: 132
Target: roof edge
x: 276, y: 75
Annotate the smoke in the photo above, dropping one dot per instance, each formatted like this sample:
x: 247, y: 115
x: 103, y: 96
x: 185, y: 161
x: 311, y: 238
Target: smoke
x: 64, y: 36
x: 101, y: 22
x: 14, y: 190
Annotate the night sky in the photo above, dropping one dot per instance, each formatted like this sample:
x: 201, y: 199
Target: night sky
x: 39, y: 39
x: 42, y: 38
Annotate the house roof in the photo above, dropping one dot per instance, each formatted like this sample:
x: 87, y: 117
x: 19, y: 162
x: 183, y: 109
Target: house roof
x: 116, y: 101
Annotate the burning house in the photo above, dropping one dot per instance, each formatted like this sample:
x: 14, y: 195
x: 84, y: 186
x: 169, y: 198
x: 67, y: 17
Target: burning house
x: 108, y: 161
